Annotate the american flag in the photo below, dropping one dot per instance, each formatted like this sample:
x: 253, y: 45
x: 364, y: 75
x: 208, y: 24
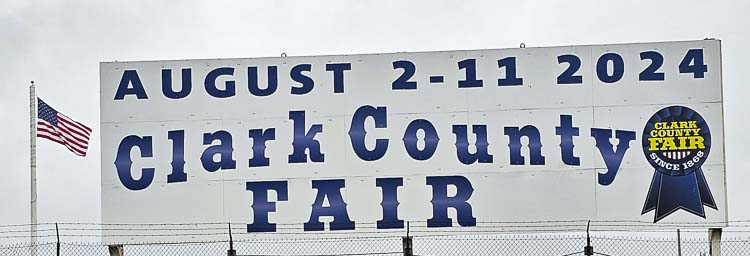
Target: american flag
x: 54, y: 126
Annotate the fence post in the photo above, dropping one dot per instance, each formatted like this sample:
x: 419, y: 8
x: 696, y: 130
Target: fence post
x: 406, y: 241
x: 231, y: 251
x: 714, y: 241
x: 588, y: 249
x: 407, y: 246
x: 116, y: 250
x: 57, y: 234
x: 679, y: 243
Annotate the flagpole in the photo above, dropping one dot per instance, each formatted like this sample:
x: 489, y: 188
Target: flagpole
x: 32, y: 127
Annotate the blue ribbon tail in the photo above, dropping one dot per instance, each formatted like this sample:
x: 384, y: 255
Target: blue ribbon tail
x: 706, y: 198
x: 668, y: 194
x: 653, y: 193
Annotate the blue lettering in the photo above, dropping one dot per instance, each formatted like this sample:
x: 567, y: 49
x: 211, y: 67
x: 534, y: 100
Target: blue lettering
x: 306, y: 82
x: 431, y: 139
x: 389, y: 186
x: 612, y: 159
x: 470, y: 65
x: 338, y: 75
x: 566, y: 130
x: 178, y: 157
x: 535, y: 144
x: 511, y: 79
x: 305, y: 141
x: 569, y: 75
x: 261, y: 206
x: 618, y: 67
x: 130, y: 77
x: 402, y: 82
x: 693, y: 63
x: 224, y: 150
x: 441, y: 201
x: 357, y: 132
x: 210, y: 83
x: 252, y: 81
x: 166, y: 84
x: 462, y: 144
x: 260, y: 137
x: 330, y: 189
x: 123, y: 163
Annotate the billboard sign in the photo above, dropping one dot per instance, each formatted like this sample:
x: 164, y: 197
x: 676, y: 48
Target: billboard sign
x: 452, y: 139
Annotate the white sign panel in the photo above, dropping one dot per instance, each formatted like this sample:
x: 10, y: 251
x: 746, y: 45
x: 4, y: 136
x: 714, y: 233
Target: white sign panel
x: 451, y: 140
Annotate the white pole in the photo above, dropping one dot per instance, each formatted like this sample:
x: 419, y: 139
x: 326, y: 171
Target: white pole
x: 32, y: 127
x: 714, y: 241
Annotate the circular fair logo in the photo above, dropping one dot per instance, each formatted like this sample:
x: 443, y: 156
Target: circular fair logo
x: 676, y: 140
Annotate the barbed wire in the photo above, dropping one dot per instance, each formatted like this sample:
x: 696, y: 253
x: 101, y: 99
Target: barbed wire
x: 200, y: 232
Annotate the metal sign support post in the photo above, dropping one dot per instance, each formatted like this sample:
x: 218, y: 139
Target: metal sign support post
x: 407, y: 242
x: 116, y: 250
x: 714, y: 241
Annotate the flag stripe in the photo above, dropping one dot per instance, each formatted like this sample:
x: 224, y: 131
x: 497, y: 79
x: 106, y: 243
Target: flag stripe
x: 73, y: 141
x: 80, y: 152
x: 52, y: 138
x: 71, y: 136
x: 47, y: 128
x: 77, y: 125
x: 50, y: 134
x: 74, y: 130
x: 76, y: 150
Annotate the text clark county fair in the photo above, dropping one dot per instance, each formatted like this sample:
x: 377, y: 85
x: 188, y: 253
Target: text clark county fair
x: 455, y: 137
x: 420, y: 140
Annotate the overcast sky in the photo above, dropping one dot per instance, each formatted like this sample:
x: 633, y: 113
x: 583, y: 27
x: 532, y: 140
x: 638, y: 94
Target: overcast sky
x: 59, y: 44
